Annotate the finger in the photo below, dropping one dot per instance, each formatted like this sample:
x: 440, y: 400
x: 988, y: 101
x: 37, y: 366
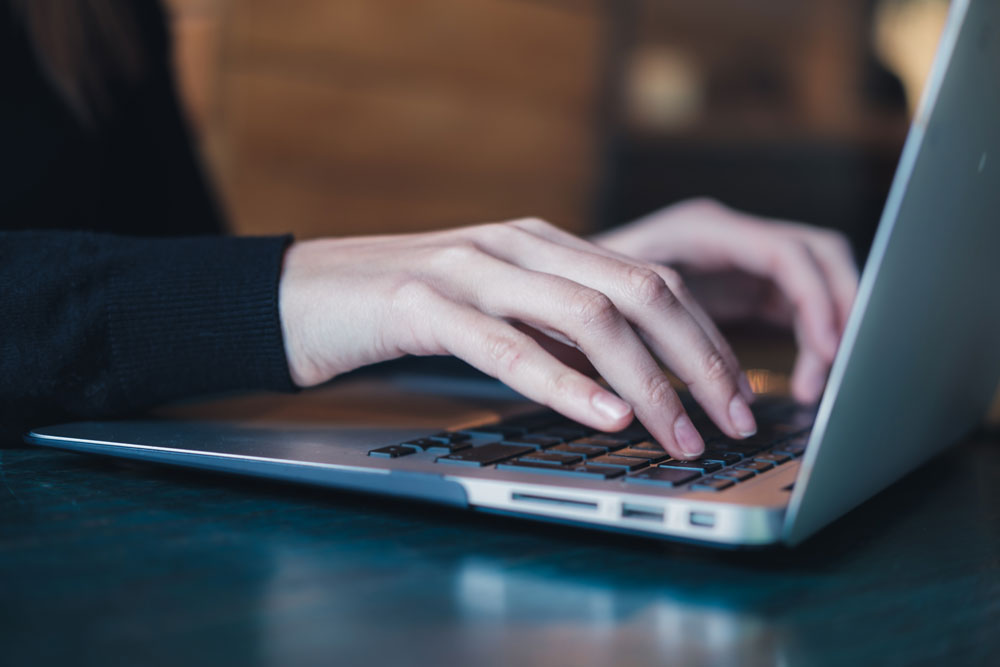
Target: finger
x: 712, y: 331
x: 590, y: 320
x: 833, y: 253
x: 774, y: 251
x: 669, y: 276
x: 809, y: 374
x: 666, y: 326
x: 498, y: 349
x: 564, y: 351
x: 790, y: 264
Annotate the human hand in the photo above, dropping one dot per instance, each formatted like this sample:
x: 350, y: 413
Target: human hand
x: 742, y: 267
x: 478, y: 292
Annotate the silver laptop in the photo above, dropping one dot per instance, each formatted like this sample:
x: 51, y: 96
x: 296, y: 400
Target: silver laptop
x: 918, y: 365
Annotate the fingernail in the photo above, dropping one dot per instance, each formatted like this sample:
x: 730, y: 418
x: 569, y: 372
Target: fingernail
x: 742, y: 418
x: 687, y: 436
x: 610, y: 407
x: 745, y: 389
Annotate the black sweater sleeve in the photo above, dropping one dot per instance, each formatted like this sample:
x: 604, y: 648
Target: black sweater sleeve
x: 95, y: 325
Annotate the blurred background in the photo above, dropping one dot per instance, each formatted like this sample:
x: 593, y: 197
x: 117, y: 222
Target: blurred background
x: 330, y: 117
x: 335, y: 117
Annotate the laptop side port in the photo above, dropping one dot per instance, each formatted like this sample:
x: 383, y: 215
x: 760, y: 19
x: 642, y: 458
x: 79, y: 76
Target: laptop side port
x: 551, y: 500
x: 642, y: 512
x: 702, y: 519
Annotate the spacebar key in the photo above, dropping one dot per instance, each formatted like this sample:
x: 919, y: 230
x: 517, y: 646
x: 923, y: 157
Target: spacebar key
x: 485, y: 455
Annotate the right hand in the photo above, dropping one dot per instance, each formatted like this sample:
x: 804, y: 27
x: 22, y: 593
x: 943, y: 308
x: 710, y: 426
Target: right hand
x: 474, y: 292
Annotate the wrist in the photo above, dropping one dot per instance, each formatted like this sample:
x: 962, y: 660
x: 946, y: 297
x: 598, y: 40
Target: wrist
x: 294, y: 311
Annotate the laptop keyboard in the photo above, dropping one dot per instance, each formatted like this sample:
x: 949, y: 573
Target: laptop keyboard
x: 548, y: 444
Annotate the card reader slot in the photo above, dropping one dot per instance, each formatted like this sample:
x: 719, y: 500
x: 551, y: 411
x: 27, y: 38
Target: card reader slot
x: 553, y: 500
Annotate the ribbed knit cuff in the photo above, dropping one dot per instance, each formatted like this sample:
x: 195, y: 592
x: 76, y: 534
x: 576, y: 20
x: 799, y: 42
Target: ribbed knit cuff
x: 197, y: 316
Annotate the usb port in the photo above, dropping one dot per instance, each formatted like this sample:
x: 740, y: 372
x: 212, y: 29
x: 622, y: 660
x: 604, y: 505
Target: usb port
x: 642, y: 512
x: 702, y: 519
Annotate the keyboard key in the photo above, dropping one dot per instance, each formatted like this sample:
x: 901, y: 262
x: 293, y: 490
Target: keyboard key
x: 744, y: 447
x: 485, y: 455
x: 446, y: 447
x: 738, y: 475
x: 712, y: 484
x: 704, y: 466
x: 498, y: 431
x: 705, y: 426
x: 609, y: 442
x: 392, y: 452
x: 435, y: 445
x: 632, y: 434
x: 663, y: 476
x: 647, y: 445
x: 535, y: 441
x: 566, y: 433
x: 787, y: 430
x: 727, y: 457
x: 775, y: 408
x: 626, y: 462
x: 448, y: 436
x: 771, y: 433
x: 581, y: 472
x: 534, y: 421
x: 421, y: 444
x: 652, y: 457
x: 756, y: 466
x: 794, y: 447
x: 551, y: 458
x: 586, y: 451
x: 776, y: 459
x: 595, y: 471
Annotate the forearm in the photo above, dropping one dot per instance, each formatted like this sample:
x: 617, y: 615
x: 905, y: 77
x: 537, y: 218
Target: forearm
x: 95, y: 325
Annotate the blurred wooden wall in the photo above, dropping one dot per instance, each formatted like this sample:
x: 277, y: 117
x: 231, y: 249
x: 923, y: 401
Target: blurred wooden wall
x: 363, y: 116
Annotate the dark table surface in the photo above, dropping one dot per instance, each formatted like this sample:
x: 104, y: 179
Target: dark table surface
x: 105, y: 562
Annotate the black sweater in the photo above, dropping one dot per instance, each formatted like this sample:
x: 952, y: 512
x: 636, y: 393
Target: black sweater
x: 117, y: 289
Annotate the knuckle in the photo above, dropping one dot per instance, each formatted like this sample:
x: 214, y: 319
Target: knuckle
x: 456, y: 253
x: 532, y: 223
x: 838, y: 241
x: 658, y: 390
x: 505, y: 353
x: 413, y: 293
x: 562, y: 386
x: 705, y: 205
x: 645, y: 286
x: 674, y: 282
x: 788, y: 254
x: 592, y: 308
x: 499, y: 230
x: 671, y: 277
x: 800, y: 249
x: 715, y: 367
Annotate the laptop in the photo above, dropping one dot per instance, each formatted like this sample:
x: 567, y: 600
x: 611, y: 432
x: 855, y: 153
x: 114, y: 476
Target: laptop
x: 917, y: 368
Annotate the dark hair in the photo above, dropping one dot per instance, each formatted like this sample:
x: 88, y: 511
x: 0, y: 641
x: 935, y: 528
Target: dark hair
x: 84, y: 47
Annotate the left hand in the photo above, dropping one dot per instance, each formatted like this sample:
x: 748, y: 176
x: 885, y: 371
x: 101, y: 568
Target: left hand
x: 743, y: 267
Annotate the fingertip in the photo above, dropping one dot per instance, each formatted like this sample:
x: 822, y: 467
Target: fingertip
x: 807, y: 386
x: 615, y: 413
x: 742, y: 417
x: 688, y: 440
